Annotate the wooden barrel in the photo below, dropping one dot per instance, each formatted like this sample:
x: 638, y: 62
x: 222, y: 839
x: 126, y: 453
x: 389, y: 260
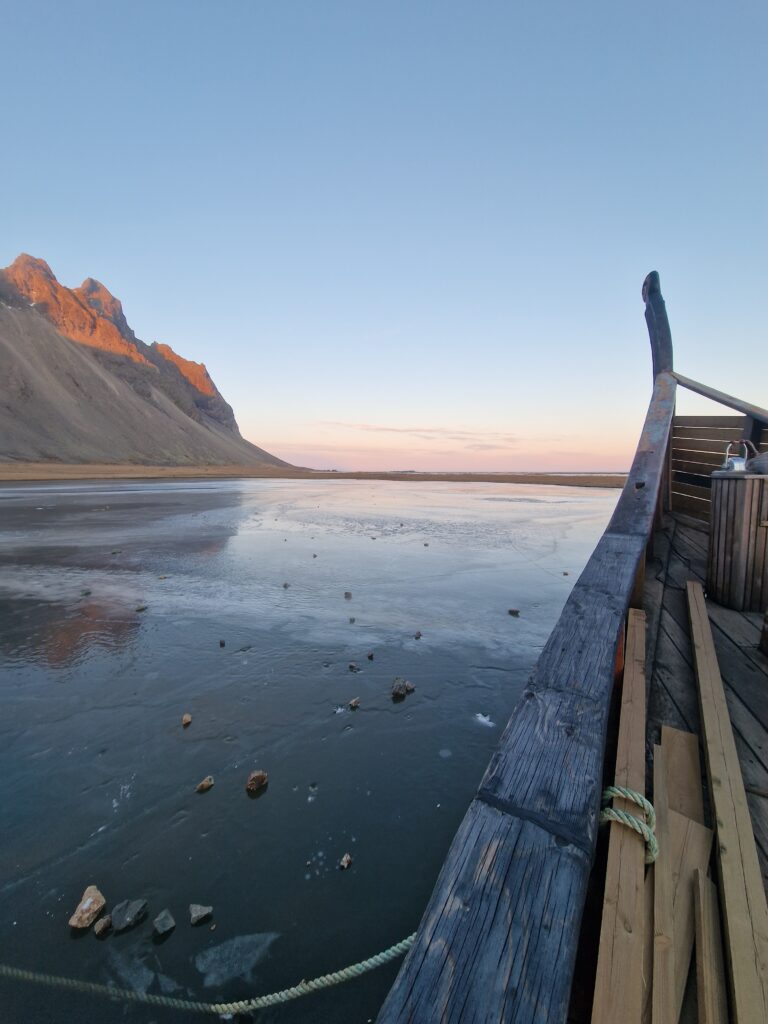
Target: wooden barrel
x: 737, y: 574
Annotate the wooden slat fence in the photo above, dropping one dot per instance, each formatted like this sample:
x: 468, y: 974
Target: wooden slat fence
x: 697, y: 448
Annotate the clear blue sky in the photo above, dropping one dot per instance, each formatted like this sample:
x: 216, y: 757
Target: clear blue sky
x: 402, y: 233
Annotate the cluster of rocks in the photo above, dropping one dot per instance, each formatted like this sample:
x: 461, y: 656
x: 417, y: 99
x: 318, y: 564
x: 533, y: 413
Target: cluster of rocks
x: 127, y: 915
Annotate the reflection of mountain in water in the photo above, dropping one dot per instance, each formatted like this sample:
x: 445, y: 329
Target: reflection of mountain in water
x: 46, y: 633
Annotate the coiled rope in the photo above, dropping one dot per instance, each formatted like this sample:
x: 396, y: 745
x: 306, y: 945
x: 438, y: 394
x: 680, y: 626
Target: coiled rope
x: 214, y: 1009
x: 645, y: 828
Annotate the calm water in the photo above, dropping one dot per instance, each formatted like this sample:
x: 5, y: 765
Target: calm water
x: 98, y: 777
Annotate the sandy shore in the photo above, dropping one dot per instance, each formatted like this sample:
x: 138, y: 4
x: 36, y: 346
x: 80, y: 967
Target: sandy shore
x: 39, y: 471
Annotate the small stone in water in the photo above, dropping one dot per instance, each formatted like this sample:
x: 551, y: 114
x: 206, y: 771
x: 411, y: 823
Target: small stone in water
x: 256, y: 780
x: 85, y: 593
x: 128, y: 913
x: 164, y: 922
x: 221, y: 643
x: 102, y: 925
x: 347, y: 595
x: 425, y: 544
x: 354, y: 704
x: 353, y: 667
x: 286, y: 585
x: 514, y: 612
x: 205, y: 785
x: 370, y: 655
x: 90, y: 906
x: 141, y: 608
x: 566, y: 574
x: 314, y: 556
x: 417, y: 635
x: 345, y: 862
x: 401, y: 688
x: 351, y: 619
x: 198, y: 913
x: 186, y: 720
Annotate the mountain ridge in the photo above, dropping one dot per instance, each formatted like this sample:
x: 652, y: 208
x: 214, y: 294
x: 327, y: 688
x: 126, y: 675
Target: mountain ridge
x: 110, y: 368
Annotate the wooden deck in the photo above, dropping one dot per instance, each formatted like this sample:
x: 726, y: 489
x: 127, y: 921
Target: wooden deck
x: 680, y: 554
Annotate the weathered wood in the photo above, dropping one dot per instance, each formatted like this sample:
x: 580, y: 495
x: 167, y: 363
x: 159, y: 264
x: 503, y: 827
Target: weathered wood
x: 685, y: 483
x: 755, y: 411
x: 737, y: 575
x: 546, y: 776
x: 744, y: 906
x: 690, y: 845
x: 496, y: 929
x: 695, y: 507
x: 663, y: 998
x: 710, y: 970
x: 708, y: 420
x: 618, y: 983
x: 764, y: 637
x: 658, y: 325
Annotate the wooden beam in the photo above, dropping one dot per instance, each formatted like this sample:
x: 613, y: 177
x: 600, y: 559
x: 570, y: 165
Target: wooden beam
x: 618, y: 983
x: 755, y: 411
x: 710, y: 971
x: 764, y: 636
x: 744, y: 906
x: 663, y: 998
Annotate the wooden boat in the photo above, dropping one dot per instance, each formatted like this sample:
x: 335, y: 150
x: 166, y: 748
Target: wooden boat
x: 512, y: 930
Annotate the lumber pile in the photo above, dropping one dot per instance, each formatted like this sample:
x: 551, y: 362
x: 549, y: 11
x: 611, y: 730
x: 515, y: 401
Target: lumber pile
x: 656, y: 918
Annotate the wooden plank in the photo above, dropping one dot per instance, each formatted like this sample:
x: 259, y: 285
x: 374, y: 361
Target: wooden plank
x: 648, y: 940
x: 692, y: 506
x: 681, y: 751
x: 710, y: 969
x: 707, y: 421
x: 690, y: 845
x: 663, y: 997
x: 764, y: 636
x: 696, y: 485
x: 744, y: 906
x: 755, y: 411
x: 710, y: 433
x: 618, y: 983
x: 684, y: 465
x: 703, y: 445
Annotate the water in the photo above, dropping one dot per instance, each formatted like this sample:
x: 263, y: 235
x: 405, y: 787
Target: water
x: 98, y: 776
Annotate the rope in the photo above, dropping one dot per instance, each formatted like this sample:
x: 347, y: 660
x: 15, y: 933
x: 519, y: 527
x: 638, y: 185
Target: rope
x: 215, y: 1009
x: 646, y: 830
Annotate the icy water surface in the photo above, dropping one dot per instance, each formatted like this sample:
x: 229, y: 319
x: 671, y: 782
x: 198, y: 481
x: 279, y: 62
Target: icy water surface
x: 114, y: 601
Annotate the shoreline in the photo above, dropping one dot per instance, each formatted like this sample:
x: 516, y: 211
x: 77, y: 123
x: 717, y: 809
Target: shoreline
x: 40, y: 472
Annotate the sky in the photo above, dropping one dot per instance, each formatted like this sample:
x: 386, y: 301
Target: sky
x: 406, y: 234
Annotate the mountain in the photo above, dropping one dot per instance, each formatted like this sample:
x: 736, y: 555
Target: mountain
x: 77, y: 385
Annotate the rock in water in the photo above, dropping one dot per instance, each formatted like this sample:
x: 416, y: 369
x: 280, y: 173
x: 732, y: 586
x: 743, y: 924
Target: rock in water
x: 88, y: 909
x: 186, y: 720
x: 102, y: 926
x: 401, y: 688
x: 345, y: 862
x: 128, y: 914
x: 198, y: 913
x: 164, y: 922
x: 256, y: 780
x: 205, y: 785
x: 234, y: 958
x: 354, y: 704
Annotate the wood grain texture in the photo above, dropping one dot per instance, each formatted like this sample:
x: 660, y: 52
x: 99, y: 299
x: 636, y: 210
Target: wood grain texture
x: 495, y: 938
x: 744, y: 905
x: 690, y: 846
x: 710, y: 969
x: 683, y: 772
x: 663, y: 996
x: 618, y: 983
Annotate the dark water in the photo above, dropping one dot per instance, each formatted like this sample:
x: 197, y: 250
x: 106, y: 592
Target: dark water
x: 98, y: 777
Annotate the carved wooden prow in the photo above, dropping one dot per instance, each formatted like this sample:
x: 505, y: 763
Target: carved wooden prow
x: 658, y: 325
